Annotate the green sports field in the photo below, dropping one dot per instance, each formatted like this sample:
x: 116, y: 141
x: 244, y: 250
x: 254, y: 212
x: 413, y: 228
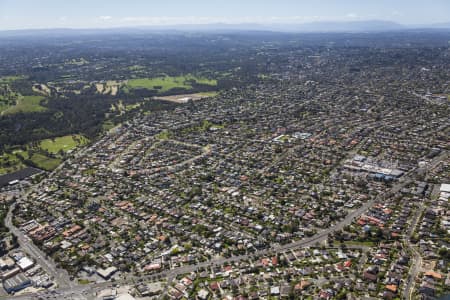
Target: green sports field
x: 166, y: 83
x: 26, y: 104
x: 64, y: 143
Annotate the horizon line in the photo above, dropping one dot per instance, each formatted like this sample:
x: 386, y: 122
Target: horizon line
x: 446, y: 25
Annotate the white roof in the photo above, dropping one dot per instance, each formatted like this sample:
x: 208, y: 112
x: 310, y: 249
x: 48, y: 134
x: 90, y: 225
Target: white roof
x: 275, y: 290
x: 203, y: 294
x: 25, y: 263
x: 445, y: 187
x: 125, y: 297
x: 65, y: 244
x: 107, y: 272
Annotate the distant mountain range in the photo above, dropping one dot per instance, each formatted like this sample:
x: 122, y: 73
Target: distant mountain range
x: 356, y: 26
x: 313, y: 27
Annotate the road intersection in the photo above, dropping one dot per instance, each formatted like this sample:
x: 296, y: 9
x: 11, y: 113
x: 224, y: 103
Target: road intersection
x: 66, y: 287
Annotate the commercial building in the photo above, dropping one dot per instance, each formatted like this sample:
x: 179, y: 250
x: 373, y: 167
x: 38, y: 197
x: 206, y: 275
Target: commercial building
x: 25, y: 263
x: 16, y: 283
x: 107, y: 273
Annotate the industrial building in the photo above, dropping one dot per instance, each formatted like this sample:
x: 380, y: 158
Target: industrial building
x: 16, y: 283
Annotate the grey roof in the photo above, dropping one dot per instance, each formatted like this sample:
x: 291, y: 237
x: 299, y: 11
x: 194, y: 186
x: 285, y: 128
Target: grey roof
x: 16, y: 281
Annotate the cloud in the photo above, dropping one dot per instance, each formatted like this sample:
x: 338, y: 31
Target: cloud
x: 165, y: 20
x: 397, y: 14
x: 105, y: 18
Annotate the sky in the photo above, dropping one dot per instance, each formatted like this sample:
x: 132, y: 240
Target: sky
x: 34, y: 14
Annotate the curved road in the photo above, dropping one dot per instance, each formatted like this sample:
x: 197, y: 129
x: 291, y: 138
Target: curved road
x: 68, y: 288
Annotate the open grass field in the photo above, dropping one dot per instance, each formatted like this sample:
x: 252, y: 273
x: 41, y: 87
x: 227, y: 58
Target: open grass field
x: 16, y: 159
x: 26, y: 104
x: 9, y: 163
x: 164, y: 84
x: 21, y: 153
x: 44, y: 162
x: 64, y: 143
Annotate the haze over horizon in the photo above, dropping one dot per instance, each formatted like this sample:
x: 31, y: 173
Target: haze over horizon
x: 44, y: 14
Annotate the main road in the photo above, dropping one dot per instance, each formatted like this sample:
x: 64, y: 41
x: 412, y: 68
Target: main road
x: 417, y: 258
x: 60, y: 276
x: 67, y: 288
